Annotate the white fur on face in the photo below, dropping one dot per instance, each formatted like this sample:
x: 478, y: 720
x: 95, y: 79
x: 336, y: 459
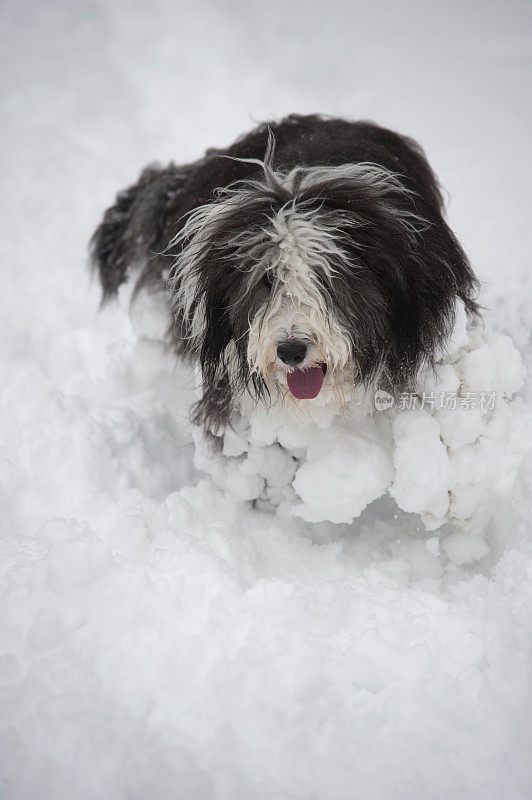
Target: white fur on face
x: 299, y: 248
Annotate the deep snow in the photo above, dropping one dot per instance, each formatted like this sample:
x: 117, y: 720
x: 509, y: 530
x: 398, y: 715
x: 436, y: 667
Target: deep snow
x: 157, y: 638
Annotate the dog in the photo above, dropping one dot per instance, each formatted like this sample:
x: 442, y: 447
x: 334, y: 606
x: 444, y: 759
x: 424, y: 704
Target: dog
x: 308, y: 261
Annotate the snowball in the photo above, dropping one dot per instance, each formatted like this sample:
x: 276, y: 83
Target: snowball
x: 494, y: 366
x: 463, y: 548
x: 510, y: 368
x: 234, y: 443
x: 460, y: 426
x: 478, y: 369
x: 443, y: 379
x: 341, y: 476
x: 274, y: 463
x: 423, y: 472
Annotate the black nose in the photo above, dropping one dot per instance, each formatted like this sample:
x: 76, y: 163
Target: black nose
x: 292, y: 352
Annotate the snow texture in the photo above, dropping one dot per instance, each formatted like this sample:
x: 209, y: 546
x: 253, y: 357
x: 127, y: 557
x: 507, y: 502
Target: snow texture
x: 442, y: 452
x: 160, y: 635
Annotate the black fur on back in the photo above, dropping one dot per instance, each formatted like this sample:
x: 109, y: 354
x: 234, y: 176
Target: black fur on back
x: 137, y: 227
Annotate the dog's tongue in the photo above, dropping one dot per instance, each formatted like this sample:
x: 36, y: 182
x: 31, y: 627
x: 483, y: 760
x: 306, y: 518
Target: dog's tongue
x: 305, y: 384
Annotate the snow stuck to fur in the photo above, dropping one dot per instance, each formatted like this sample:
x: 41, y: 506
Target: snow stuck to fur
x: 443, y: 453
x: 160, y: 639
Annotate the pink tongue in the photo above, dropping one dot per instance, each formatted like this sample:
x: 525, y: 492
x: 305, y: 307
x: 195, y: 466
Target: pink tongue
x: 305, y: 384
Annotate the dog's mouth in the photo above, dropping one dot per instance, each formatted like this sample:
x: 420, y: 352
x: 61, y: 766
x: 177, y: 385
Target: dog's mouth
x: 305, y: 384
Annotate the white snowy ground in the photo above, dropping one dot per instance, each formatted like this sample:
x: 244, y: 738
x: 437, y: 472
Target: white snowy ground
x: 157, y: 640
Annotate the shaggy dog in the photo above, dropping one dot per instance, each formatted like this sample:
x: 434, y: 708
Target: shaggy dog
x: 308, y: 260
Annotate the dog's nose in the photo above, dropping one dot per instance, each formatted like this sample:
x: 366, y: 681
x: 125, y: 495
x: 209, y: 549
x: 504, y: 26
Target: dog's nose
x: 292, y: 352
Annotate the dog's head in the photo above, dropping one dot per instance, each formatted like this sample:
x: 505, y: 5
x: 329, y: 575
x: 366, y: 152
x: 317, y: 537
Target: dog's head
x: 304, y: 283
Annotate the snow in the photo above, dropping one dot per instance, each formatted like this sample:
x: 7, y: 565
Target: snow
x: 159, y: 637
x: 463, y: 548
x: 441, y: 452
x: 342, y: 474
x: 423, y: 477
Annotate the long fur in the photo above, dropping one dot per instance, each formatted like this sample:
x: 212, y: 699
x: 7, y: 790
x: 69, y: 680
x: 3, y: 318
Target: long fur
x: 320, y: 229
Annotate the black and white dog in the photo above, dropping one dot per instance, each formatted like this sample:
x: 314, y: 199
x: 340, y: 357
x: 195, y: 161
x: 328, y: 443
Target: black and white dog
x: 307, y: 260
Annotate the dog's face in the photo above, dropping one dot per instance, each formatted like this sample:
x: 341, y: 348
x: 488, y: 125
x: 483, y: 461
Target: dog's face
x: 297, y: 341
x: 303, y: 284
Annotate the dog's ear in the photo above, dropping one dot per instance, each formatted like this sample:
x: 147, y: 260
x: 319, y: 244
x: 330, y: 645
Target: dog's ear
x: 136, y: 230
